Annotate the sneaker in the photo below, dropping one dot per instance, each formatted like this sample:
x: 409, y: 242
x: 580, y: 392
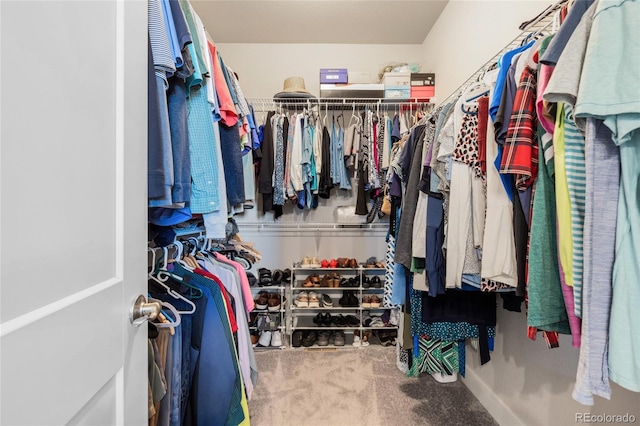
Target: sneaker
x: 323, y: 338
x: 262, y: 301
x: 302, y: 300
x: 326, y: 300
x: 314, y: 263
x: 338, y: 338
x: 375, y: 301
x: 356, y: 339
x: 366, y: 301
x: 276, y: 338
x: 265, y: 339
x: 296, y: 339
x: 314, y: 302
x: 309, y: 339
x: 305, y: 262
x: 274, y: 302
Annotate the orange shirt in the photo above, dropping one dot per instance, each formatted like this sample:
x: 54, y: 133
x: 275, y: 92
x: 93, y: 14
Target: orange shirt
x: 227, y: 108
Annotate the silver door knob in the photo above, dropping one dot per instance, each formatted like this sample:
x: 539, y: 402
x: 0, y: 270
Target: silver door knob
x: 142, y: 311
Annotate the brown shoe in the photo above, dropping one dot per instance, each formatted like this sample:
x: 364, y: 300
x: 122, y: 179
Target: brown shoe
x: 353, y: 263
x: 274, y: 302
x: 262, y: 301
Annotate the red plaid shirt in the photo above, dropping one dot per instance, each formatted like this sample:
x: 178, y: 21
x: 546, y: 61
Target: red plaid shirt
x: 520, y: 155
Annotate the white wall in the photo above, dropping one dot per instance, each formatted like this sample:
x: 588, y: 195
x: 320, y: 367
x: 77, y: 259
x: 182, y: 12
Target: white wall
x: 525, y: 383
x: 263, y: 67
x: 468, y: 33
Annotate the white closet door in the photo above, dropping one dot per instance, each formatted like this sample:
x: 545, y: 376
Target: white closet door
x: 73, y: 216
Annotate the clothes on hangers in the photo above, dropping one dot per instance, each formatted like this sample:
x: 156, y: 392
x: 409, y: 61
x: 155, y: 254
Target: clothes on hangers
x: 198, y: 113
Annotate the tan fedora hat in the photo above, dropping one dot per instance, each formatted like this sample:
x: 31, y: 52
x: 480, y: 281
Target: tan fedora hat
x: 294, y: 87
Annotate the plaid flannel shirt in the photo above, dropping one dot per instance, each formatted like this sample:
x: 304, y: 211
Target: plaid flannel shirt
x: 520, y: 155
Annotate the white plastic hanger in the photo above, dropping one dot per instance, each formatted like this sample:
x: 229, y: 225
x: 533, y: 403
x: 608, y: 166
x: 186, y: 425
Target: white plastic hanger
x: 159, y: 279
x: 177, y: 319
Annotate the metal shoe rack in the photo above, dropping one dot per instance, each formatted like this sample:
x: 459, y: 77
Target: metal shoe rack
x: 267, y: 320
x: 302, y: 318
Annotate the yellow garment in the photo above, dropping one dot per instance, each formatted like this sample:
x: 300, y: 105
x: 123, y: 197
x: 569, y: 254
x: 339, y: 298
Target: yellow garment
x: 563, y: 202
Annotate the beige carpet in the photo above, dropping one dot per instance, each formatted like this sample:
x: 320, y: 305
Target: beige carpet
x: 354, y: 387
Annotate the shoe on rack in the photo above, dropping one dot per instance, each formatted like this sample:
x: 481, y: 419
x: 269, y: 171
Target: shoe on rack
x: 366, y: 301
x: 326, y: 281
x: 309, y: 339
x: 276, y: 338
x: 339, y: 320
x: 265, y: 338
x: 277, y: 277
x: 353, y: 263
x: 286, y: 276
x: 326, y: 319
x: 314, y: 302
x: 324, y: 263
x: 366, y: 282
x: 326, y: 301
x: 333, y: 263
x: 338, y: 338
x: 253, y: 281
x: 353, y: 300
x: 375, y: 301
x: 344, y: 300
x: 323, y: 338
x: 357, y: 342
x: 296, y: 339
x: 352, y: 321
x: 274, y: 302
x: 302, y: 300
x: 376, y: 282
x: 314, y: 262
x: 306, y: 262
x: 262, y: 301
x: 317, y: 320
x: 265, y: 276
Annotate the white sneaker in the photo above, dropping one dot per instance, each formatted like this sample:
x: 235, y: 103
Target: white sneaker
x: 276, y: 338
x: 265, y: 338
x: 356, y: 341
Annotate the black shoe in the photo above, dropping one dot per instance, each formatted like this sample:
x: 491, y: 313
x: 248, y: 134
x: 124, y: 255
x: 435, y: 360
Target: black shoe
x: 265, y: 276
x: 309, y: 339
x: 296, y: 339
x: 318, y: 320
x: 339, y: 320
x: 277, y: 277
x: 376, y: 282
x: 352, y: 321
x: 366, y: 282
x: 344, y: 300
x: 286, y: 276
x: 353, y: 300
x: 327, y: 319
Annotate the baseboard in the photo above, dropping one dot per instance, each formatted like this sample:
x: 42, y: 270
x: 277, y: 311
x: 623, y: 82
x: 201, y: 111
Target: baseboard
x: 492, y: 402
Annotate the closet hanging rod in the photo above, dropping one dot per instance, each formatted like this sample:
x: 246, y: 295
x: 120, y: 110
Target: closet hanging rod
x: 338, y: 103
x: 529, y: 29
x: 293, y: 226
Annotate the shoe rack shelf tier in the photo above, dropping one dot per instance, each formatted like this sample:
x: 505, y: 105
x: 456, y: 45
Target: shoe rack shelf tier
x: 257, y: 327
x: 356, y: 281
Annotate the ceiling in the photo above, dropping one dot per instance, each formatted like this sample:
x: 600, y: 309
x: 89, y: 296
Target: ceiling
x: 319, y: 21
